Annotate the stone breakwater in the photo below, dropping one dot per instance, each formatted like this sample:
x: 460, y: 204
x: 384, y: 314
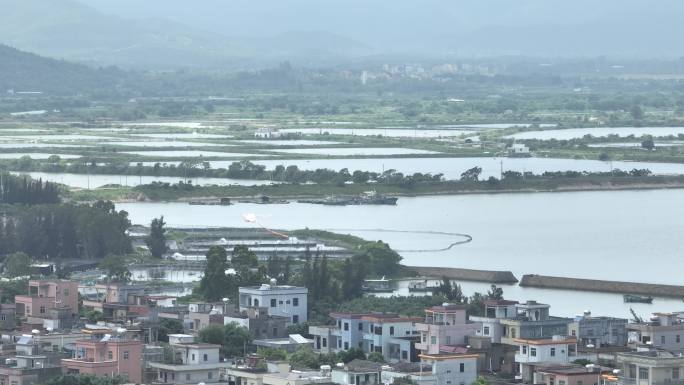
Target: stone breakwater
x: 501, y: 277
x: 595, y: 285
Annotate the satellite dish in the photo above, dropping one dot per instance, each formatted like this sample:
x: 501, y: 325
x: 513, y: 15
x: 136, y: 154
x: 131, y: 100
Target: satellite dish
x: 121, y: 330
x: 35, y: 331
x: 224, y: 299
x: 49, y: 328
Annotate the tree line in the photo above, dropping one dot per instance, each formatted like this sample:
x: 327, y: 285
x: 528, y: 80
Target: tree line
x: 65, y: 231
x: 24, y: 190
x: 237, y: 170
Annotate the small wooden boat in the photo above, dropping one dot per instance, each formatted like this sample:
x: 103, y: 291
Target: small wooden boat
x: 637, y: 299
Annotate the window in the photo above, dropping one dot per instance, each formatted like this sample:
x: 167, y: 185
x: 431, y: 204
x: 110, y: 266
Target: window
x: 280, y: 302
x: 574, y: 333
x: 125, y: 355
x: 287, y: 302
x: 404, y: 355
x: 561, y: 382
x: 486, y: 330
x: 524, y: 349
x: 675, y: 373
x: 662, y: 340
x: 110, y: 355
x: 275, y: 332
x: 346, y: 346
x: 533, y: 352
x: 256, y: 302
x: 339, y: 344
x: 273, y: 303
x: 295, y: 319
x: 295, y: 301
x: 3, y: 317
x: 553, y: 352
x: 391, y: 330
x: 42, y: 310
x: 461, y: 367
x: 433, y: 340
x: 676, y: 338
x: 66, y: 292
x: 206, y: 357
x: 360, y: 326
x: 448, y: 340
x: 552, y: 380
x: 346, y: 326
x: 193, y: 356
x: 210, y: 375
x: 325, y: 342
x: 448, y: 372
x: 643, y: 373
x: 187, y: 376
x: 512, y: 333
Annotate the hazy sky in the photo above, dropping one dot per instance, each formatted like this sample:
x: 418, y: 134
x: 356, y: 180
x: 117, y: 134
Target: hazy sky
x: 383, y: 21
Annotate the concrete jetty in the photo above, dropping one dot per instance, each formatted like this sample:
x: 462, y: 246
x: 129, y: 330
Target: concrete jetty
x: 501, y: 277
x: 595, y: 285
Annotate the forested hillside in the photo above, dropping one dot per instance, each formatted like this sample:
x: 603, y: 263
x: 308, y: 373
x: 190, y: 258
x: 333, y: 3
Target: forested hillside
x: 23, y: 71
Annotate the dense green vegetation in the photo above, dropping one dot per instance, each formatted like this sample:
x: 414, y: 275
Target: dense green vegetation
x: 65, y: 231
x: 24, y: 190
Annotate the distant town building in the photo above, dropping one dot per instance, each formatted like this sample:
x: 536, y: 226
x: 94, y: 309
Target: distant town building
x: 260, y: 324
x: 518, y: 149
x: 267, y: 133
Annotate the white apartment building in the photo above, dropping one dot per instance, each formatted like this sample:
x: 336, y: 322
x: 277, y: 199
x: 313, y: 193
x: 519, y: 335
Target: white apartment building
x: 281, y: 300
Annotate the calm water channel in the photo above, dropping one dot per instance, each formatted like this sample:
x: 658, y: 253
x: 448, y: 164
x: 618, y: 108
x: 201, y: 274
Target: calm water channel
x: 625, y: 235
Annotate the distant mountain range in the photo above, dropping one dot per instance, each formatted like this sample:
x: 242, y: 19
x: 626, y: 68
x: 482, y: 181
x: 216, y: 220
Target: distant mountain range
x: 74, y: 31
x: 239, y: 34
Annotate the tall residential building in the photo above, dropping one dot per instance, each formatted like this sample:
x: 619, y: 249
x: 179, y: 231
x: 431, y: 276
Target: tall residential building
x: 49, y: 300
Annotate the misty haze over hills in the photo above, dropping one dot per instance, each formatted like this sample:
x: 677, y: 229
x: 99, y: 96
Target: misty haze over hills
x: 167, y: 34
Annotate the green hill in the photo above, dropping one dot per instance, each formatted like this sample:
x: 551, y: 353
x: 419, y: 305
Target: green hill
x: 23, y: 71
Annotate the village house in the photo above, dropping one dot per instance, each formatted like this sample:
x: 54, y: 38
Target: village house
x: 599, y: 331
x: 445, y: 325
x: 110, y: 355
x: 281, y: 300
x: 389, y: 334
x: 652, y: 367
x: 53, y: 300
x: 192, y: 362
x: 536, y: 352
x: 664, y: 330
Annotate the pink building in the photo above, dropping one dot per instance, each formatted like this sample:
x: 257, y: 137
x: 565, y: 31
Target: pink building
x: 107, y: 357
x: 44, y: 295
x: 444, y: 325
